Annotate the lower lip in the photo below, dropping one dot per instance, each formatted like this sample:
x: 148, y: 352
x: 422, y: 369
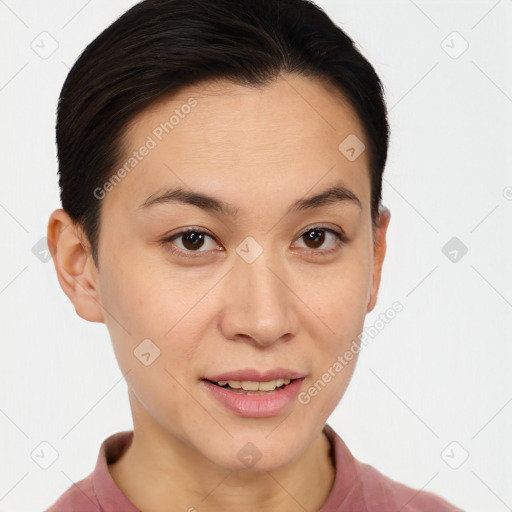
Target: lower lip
x: 256, y: 406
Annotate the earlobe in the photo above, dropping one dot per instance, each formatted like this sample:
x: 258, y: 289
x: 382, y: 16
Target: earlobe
x: 76, y: 271
x: 379, y: 253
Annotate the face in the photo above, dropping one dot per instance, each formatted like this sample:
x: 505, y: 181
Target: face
x: 254, y: 283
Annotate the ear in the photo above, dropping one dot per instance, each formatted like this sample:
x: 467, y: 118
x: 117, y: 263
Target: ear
x: 75, y: 267
x: 379, y: 252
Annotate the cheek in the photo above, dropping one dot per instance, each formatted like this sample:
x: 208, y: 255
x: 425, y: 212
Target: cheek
x: 166, y: 303
x: 342, y: 306
x: 348, y: 301
x: 155, y: 309
x: 144, y: 294
x: 341, y: 293
x: 155, y: 334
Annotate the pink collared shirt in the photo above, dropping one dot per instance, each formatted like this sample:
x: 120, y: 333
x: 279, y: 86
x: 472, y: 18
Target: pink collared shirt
x: 358, y: 487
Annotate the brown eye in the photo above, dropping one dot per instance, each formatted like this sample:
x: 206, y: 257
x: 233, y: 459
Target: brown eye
x: 192, y: 240
x: 314, y: 238
x: 322, y: 240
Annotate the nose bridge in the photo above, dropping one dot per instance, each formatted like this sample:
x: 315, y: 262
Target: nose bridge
x: 259, y: 302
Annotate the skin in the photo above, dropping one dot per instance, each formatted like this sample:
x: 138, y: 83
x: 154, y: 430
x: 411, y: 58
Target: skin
x: 296, y: 306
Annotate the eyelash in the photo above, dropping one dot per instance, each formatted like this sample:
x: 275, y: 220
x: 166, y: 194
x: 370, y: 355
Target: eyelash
x: 341, y: 239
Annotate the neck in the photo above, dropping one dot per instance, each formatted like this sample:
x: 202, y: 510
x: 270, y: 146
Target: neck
x: 179, y: 475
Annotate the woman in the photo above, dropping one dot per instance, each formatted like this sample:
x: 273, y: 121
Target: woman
x: 220, y: 167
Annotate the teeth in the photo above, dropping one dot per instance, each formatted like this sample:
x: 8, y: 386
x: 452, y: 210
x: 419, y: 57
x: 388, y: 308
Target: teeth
x: 248, y: 385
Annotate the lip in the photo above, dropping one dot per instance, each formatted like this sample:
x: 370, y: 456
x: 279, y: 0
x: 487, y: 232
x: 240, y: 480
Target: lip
x: 265, y: 405
x: 254, y: 375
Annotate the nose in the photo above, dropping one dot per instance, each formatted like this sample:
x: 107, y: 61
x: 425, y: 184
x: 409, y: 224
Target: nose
x: 259, y: 306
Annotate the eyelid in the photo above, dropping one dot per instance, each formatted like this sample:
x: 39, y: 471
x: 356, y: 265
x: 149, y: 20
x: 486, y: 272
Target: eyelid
x: 325, y: 227
x: 188, y: 229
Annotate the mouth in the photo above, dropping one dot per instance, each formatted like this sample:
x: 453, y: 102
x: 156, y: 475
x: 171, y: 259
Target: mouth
x: 247, y: 387
x: 255, y: 395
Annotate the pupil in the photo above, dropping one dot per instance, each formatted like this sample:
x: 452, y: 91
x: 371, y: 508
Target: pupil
x: 316, y: 237
x: 193, y: 240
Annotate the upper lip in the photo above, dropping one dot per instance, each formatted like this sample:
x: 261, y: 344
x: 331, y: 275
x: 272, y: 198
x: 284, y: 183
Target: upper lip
x: 253, y: 375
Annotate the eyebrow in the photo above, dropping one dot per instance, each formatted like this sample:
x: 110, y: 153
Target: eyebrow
x: 334, y: 194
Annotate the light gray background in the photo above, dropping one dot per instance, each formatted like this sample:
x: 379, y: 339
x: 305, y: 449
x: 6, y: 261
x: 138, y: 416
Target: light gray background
x: 439, y: 373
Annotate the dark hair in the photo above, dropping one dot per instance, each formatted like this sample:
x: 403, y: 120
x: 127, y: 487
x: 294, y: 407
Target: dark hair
x: 159, y: 47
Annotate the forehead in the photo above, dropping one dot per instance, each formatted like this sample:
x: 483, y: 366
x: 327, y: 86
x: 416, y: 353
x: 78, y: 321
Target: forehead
x: 230, y: 138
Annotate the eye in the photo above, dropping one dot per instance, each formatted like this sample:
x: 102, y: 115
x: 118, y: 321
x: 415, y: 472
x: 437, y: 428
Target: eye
x: 315, y: 237
x: 192, y: 240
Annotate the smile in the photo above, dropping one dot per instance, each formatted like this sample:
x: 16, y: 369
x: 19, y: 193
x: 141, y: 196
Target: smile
x: 254, y: 399
x: 248, y: 385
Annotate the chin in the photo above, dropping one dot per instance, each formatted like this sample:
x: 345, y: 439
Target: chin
x: 255, y: 452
